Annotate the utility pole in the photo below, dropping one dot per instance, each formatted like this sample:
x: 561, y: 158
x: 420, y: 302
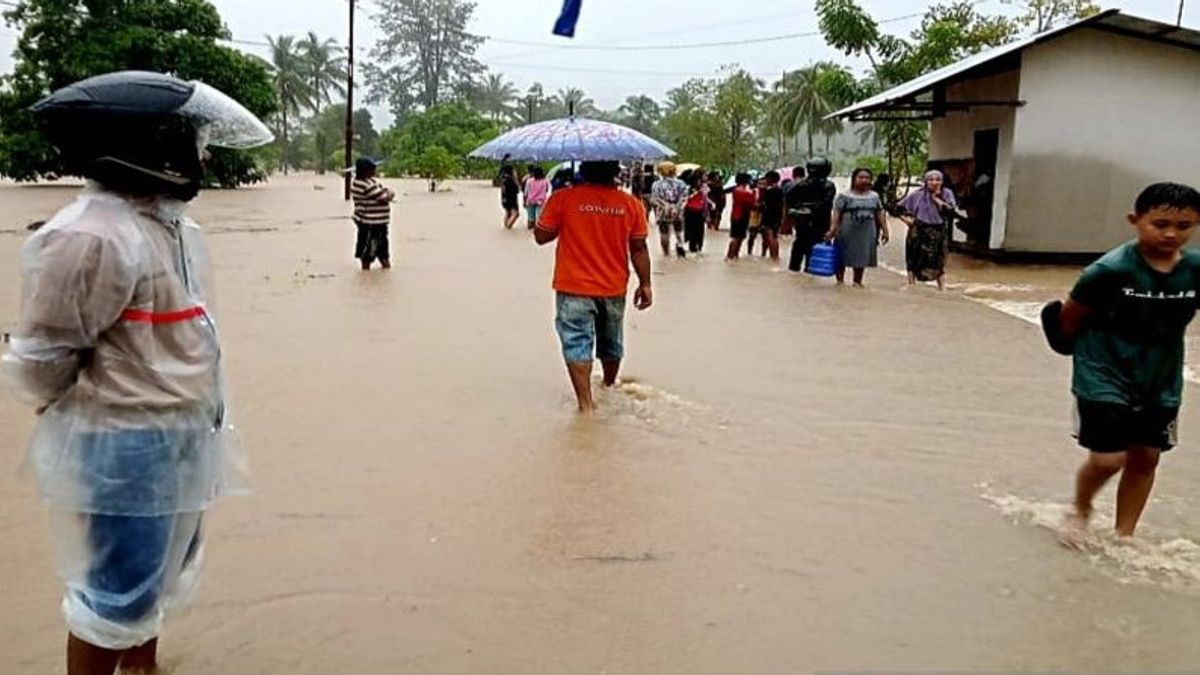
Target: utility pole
x: 349, y: 176
x: 1179, y: 21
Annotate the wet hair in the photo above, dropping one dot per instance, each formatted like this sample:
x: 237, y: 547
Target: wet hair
x: 1167, y: 195
x: 714, y: 175
x: 772, y: 177
x: 599, y: 173
x: 798, y: 172
x: 742, y: 179
x: 537, y: 172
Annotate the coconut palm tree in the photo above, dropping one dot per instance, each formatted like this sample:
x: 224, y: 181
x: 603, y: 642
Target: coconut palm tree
x: 641, y: 112
x: 574, y: 99
x: 291, y: 85
x: 495, y: 96
x: 804, y: 98
x: 324, y: 68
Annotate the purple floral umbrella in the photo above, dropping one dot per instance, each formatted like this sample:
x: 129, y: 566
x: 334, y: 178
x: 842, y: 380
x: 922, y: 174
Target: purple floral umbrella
x: 575, y: 139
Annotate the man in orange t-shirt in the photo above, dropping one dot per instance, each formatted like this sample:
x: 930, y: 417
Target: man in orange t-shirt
x: 600, y: 231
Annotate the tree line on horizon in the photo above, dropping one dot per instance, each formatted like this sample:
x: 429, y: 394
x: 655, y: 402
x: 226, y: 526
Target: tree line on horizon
x: 445, y: 102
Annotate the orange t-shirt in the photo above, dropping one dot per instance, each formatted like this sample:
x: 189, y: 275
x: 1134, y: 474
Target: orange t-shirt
x: 594, y: 225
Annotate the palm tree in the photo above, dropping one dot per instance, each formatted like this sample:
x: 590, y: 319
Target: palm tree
x: 291, y: 84
x: 495, y: 96
x: 573, y: 99
x: 800, y: 103
x: 324, y: 69
x: 642, y: 112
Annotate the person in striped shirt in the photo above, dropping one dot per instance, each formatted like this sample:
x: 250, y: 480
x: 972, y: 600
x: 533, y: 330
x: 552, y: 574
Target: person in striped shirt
x: 372, y: 215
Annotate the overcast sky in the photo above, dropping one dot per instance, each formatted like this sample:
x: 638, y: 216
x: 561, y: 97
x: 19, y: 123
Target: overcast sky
x: 611, y: 75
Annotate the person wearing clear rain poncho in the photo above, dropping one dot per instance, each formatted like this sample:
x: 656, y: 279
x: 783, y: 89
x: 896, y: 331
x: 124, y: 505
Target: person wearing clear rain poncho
x: 117, y: 349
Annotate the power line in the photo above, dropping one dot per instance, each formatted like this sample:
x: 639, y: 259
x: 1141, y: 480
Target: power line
x: 667, y: 47
x: 574, y: 69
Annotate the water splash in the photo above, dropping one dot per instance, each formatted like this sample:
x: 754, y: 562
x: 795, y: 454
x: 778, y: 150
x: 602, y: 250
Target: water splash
x: 647, y: 403
x: 1154, y: 557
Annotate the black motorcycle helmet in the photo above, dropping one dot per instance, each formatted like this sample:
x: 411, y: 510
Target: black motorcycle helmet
x: 144, y: 133
x: 819, y: 168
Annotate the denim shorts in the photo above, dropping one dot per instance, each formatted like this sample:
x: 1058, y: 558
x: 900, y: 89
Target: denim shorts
x: 590, y: 325
x: 534, y: 212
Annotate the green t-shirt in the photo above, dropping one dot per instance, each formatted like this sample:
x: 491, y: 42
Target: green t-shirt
x: 1130, y: 349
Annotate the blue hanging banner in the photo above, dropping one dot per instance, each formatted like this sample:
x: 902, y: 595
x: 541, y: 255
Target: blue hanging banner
x: 565, y: 26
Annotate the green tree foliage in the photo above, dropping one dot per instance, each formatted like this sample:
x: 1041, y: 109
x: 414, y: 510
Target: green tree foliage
x: 948, y: 33
x: 640, y: 112
x: 421, y: 145
x: 691, y: 125
x: 324, y: 142
x: 294, y: 90
x: 426, y: 55
x: 1042, y: 15
x: 495, y: 97
x: 739, y: 107
x: 804, y: 98
x: 325, y: 69
x: 63, y: 41
x: 572, y: 99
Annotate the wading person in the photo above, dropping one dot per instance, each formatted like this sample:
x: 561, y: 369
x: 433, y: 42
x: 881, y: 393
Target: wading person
x: 859, y: 227
x: 669, y: 196
x: 716, y: 195
x: 600, y: 231
x: 928, y: 212
x: 510, y: 195
x: 772, y: 214
x: 695, y: 212
x: 744, y: 199
x: 117, y: 348
x: 810, y: 204
x: 537, y: 191
x: 372, y: 215
x: 1124, y: 324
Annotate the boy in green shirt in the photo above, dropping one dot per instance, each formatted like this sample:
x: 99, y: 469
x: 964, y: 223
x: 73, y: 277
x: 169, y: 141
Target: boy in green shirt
x: 1124, y: 325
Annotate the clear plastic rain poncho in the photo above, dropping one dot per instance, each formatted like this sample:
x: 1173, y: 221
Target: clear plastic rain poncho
x: 117, y: 346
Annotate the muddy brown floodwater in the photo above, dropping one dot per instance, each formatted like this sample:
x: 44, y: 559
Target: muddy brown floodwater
x: 796, y: 478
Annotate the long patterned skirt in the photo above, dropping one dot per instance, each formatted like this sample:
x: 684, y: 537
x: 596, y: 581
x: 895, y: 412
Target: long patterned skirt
x: 925, y: 250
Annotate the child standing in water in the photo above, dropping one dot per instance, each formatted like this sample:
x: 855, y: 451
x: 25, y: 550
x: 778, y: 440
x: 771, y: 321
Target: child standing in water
x: 537, y: 191
x: 1124, y: 325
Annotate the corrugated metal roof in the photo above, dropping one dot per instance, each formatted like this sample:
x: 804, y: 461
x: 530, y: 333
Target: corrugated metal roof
x: 1112, y: 20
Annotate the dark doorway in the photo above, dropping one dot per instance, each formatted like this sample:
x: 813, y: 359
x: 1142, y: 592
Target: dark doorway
x: 983, y: 194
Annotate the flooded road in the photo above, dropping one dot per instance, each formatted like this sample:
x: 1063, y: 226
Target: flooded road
x: 795, y: 477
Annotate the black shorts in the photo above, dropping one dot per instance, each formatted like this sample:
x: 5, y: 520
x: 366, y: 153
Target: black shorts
x: 1113, y: 427
x: 510, y: 204
x: 665, y: 226
x: 738, y: 228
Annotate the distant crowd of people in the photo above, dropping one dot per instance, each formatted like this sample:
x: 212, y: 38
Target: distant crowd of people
x: 805, y: 206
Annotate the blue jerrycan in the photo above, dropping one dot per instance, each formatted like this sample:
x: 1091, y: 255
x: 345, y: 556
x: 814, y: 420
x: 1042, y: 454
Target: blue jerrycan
x: 823, y: 262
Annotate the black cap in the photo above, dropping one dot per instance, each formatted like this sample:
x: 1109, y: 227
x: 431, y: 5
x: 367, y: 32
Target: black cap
x: 365, y: 165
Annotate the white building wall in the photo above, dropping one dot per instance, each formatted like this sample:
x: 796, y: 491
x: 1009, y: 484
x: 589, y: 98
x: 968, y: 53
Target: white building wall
x: 1106, y: 115
x: 953, y: 136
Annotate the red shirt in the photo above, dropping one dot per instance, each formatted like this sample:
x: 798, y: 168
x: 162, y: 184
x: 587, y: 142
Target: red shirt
x: 594, y: 225
x: 744, y: 201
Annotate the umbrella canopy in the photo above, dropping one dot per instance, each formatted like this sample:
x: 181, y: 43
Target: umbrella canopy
x: 573, y: 139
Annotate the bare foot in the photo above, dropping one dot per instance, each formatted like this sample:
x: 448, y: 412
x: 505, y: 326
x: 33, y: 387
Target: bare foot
x: 1073, y: 533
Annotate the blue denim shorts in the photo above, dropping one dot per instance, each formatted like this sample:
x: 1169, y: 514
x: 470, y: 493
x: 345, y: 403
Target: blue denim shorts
x: 590, y: 325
